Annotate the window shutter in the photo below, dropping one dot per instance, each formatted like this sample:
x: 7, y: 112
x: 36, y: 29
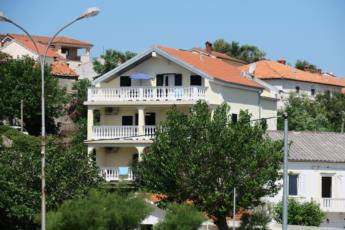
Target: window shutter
x: 178, y: 79
x: 159, y: 80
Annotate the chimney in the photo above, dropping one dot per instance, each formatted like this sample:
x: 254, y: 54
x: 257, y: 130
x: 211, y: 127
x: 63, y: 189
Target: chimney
x: 281, y: 61
x: 306, y: 68
x: 319, y: 71
x: 208, y: 46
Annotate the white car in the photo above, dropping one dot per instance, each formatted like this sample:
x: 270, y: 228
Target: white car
x: 18, y: 128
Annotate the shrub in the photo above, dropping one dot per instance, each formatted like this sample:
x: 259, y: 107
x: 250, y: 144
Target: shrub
x: 258, y: 218
x: 100, y: 210
x: 307, y: 213
x: 181, y: 217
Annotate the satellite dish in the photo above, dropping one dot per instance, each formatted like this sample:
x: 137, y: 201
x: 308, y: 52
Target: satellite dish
x: 252, y: 68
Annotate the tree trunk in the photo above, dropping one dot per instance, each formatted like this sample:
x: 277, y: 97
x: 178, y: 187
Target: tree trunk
x: 221, y: 223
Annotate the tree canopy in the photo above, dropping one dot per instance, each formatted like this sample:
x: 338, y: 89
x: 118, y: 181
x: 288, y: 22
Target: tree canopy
x: 247, y: 53
x: 301, y: 64
x: 202, y: 158
x: 110, y: 60
x: 21, y: 80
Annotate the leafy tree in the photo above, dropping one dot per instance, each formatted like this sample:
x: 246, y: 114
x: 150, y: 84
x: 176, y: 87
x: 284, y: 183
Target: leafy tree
x: 181, y: 217
x: 20, y: 80
x: 77, y: 110
x: 247, y: 53
x: 300, y: 64
x: 307, y: 213
x: 201, y: 159
x: 100, y: 210
x: 69, y: 174
x: 258, y: 218
x: 110, y: 60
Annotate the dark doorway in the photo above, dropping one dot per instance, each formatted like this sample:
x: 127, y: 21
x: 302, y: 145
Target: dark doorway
x: 150, y: 119
x: 326, y: 186
x: 127, y: 120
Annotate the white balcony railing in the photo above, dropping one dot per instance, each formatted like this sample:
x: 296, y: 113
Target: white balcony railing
x: 333, y: 204
x: 192, y: 93
x: 117, y: 173
x: 121, y: 132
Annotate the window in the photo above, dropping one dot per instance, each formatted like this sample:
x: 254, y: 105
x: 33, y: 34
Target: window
x: 127, y: 120
x: 178, y: 79
x: 293, y: 190
x: 159, y: 80
x: 312, y: 92
x: 326, y: 186
x: 125, y: 81
x: 195, y: 80
x: 108, y: 110
x: 150, y: 119
x: 65, y: 51
x: 234, y: 118
x: 297, y: 89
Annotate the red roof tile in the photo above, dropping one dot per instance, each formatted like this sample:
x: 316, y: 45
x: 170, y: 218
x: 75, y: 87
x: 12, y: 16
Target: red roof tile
x: 220, y: 55
x: 41, y: 48
x: 45, y: 39
x: 273, y: 70
x: 211, y: 66
x: 61, y: 68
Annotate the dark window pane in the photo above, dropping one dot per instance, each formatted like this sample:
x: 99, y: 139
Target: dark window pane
x: 234, y: 118
x: 136, y: 119
x: 297, y: 89
x: 195, y: 80
x: 293, y: 185
x: 150, y: 119
x: 159, y: 80
x: 125, y: 81
x: 312, y: 91
x: 127, y: 120
x: 178, y: 79
x: 326, y: 187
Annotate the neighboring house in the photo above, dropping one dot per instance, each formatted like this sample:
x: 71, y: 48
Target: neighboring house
x: 317, y: 172
x: 86, y: 71
x: 134, y: 97
x: 287, y: 79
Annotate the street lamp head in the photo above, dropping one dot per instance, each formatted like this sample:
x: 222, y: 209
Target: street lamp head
x: 3, y: 17
x: 90, y: 12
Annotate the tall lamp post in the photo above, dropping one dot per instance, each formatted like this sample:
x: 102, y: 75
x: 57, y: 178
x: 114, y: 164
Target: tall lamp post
x: 90, y: 12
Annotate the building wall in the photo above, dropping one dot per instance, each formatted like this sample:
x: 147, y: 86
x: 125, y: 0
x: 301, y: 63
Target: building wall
x: 66, y: 82
x: 122, y: 157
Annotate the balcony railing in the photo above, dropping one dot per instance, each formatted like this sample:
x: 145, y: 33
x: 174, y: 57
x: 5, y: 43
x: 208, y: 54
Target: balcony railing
x: 333, y: 204
x: 192, y: 93
x: 122, y: 132
x: 117, y: 173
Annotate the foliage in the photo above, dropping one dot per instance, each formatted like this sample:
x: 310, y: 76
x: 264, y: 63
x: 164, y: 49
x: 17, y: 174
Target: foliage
x: 300, y: 64
x: 20, y: 80
x: 247, y: 53
x: 69, y: 174
x: 198, y: 158
x: 110, y: 60
x: 77, y: 110
x: 181, y: 217
x: 100, y: 210
x: 324, y: 113
x: 259, y: 218
x: 307, y: 213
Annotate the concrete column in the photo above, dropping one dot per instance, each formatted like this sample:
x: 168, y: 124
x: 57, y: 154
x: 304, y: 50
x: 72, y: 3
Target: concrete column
x: 140, y: 152
x: 89, y: 122
x: 141, y: 122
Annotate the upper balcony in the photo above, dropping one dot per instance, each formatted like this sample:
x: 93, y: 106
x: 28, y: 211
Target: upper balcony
x: 148, y: 94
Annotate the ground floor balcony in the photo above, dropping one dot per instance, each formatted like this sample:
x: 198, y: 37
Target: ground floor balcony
x: 130, y: 94
x: 333, y: 204
x: 122, y: 173
x: 123, y: 132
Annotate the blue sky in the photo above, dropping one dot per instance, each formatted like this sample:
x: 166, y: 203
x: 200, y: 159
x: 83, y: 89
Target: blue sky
x: 296, y: 29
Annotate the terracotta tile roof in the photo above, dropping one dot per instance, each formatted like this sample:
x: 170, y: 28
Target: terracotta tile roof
x: 45, y: 39
x: 60, y: 68
x: 220, y: 55
x: 273, y: 70
x: 211, y: 66
x: 41, y: 48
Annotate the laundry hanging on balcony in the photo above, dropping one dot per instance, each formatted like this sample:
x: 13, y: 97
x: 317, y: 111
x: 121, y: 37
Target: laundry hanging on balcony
x: 140, y: 76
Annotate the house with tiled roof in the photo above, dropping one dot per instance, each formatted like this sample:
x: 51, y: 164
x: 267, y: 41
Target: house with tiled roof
x: 135, y: 96
x: 287, y: 79
x: 317, y: 172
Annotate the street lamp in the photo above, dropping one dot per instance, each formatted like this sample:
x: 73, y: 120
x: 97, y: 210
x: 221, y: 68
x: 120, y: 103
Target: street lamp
x: 90, y: 12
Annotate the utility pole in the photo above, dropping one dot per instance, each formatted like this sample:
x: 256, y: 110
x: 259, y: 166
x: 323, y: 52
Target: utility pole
x: 286, y: 178
x: 21, y: 116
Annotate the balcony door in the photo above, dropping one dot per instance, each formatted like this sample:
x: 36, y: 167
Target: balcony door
x: 169, y: 79
x: 326, y: 186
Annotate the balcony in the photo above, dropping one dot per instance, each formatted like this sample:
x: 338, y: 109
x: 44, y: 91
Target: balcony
x: 333, y: 204
x: 122, y: 132
x: 117, y: 173
x: 127, y: 94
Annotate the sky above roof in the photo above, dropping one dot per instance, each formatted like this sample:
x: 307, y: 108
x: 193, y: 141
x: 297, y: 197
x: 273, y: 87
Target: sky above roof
x: 311, y: 29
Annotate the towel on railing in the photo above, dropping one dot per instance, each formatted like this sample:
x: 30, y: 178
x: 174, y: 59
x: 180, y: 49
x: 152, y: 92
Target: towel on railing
x: 123, y: 171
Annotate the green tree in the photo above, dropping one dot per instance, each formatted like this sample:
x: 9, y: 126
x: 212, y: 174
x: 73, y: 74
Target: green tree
x: 307, y: 213
x: 247, y: 53
x: 20, y: 80
x: 181, y: 217
x: 77, y: 110
x: 69, y: 175
x: 110, y: 60
x: 100, y: 210
x: 199, y: 158
x: 301, y: 64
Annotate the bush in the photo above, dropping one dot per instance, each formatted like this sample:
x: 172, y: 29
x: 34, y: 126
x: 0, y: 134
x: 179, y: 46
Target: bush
x: 100, y: 210
x: 307, y: 213
x: 258, y: 218
x: 181, y: 217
